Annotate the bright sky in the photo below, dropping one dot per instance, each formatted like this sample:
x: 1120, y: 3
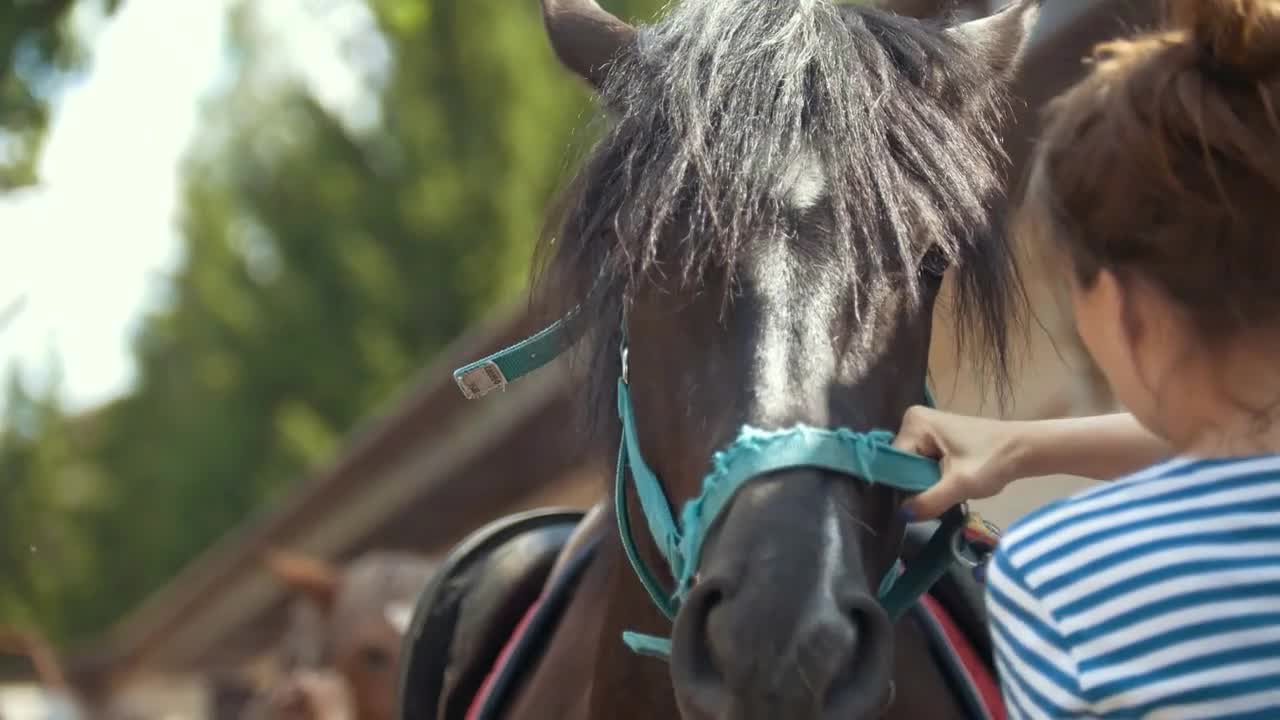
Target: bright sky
x: 87, y: 247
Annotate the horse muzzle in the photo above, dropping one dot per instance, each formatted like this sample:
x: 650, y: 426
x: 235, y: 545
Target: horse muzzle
x: 783, y: 621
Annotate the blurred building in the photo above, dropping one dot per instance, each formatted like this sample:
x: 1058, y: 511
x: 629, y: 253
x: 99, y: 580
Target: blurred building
x: 437, y: 466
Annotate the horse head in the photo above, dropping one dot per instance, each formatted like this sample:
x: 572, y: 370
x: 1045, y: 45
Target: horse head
x: 751, y: 257
x: 341, y: 653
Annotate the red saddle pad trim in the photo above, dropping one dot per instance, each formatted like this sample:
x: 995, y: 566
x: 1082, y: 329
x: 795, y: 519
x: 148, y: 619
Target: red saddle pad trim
x: 979, y: 675
x: 486, y: 687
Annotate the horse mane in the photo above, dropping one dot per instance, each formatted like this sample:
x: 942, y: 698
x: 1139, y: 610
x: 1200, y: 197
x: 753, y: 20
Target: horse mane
x: 717, y: 104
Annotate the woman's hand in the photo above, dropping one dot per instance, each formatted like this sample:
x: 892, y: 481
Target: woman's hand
x: 978, y: 457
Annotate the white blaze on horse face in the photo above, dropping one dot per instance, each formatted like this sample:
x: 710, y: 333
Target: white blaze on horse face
x: 398, y: 615
x: 793, y: 353
x: 773, y: 277
x: 824, y: 596
x: 804, y: 182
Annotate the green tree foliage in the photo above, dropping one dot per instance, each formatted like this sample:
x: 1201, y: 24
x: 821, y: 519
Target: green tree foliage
x: 37, y: 52
x: 48, y: 485
x: 327, y: 257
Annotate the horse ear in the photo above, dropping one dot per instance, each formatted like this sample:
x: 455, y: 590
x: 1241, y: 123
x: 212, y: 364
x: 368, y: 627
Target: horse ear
x: 585, y: 37
x: 312, y: 578
x: 1001, y: 38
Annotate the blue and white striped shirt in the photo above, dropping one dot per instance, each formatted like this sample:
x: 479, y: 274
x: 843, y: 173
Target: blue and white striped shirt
x: 1155, y: 596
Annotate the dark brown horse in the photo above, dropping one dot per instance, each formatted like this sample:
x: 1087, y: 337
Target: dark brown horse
x: 764, y: 227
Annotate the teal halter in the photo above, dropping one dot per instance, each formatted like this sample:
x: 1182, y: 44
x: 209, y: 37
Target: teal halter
x: 755, y: 452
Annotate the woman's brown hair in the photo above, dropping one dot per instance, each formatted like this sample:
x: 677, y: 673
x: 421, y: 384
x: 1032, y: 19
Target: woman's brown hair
x: 1165, y: 161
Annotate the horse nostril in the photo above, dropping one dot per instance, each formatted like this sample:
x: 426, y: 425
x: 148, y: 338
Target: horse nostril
x: 696, y: 656
x: 830, y: 660
x: 861, y: 682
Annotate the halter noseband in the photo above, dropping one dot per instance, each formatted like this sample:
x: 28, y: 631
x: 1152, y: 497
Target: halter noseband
x: 869, y: 456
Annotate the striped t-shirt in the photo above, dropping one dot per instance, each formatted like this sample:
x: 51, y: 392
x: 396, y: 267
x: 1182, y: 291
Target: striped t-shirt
x: 1155, y: 596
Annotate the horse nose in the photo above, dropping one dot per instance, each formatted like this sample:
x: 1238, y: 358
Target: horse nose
x: 834, y: 662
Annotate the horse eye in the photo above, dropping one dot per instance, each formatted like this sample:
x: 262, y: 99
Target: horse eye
x: 934, y: 262
x: 375, y: 658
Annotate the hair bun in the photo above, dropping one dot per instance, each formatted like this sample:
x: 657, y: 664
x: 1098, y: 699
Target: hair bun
x: 1240, y: 36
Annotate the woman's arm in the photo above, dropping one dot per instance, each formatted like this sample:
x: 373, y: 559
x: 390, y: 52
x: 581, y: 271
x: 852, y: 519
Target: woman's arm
x: 1101, y: 447
x: 980, y: 456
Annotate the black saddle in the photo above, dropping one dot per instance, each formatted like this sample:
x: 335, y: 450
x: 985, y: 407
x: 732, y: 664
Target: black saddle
x: 472, y: 605
x: 471, y: 608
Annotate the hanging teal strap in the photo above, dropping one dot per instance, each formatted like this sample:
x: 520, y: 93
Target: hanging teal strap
x: 926, y: 568
x: 509, y: 364
x: 657, y: 647
x: 889, y: 579
x: 653, y: 498
x: 661, y: 599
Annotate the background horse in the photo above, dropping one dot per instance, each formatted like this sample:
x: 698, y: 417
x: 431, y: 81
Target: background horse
x: 341, y: 653
x: 759, y: 240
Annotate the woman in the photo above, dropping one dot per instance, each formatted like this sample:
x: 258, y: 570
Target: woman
x: 1157, y: 180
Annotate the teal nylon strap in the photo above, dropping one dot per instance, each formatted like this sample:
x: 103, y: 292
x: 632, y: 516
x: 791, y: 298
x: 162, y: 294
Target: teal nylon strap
x: 661, y: 599
x: 755, y: 452
x: 509, y: 364
x: 647, y: 644
x: 653, y: 498
x: 925, y: 569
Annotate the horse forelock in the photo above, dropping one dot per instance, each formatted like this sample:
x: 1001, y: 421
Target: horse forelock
x: 891, y: 125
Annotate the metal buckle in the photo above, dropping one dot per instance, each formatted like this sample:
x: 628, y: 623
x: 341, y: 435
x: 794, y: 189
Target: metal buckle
x: 963, y: 551
x: 480, y: 380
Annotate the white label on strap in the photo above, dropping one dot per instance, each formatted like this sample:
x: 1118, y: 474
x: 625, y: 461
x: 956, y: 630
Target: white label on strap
x: 482, y: 380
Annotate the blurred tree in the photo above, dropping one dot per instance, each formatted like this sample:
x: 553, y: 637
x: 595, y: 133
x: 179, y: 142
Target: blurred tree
x: 342, y: 222
x: 47, y: 485
x: 48, y: 480
x: 38, y: 49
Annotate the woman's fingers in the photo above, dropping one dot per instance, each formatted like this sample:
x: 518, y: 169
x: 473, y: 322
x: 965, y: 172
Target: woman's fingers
x: 920, y: 433
x: 916, y: 434
x: 935, y: 501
